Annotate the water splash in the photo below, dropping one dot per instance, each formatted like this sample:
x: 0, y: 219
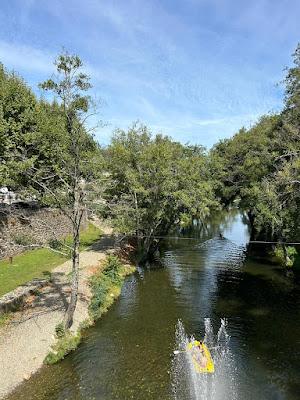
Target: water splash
x: 188, y: 384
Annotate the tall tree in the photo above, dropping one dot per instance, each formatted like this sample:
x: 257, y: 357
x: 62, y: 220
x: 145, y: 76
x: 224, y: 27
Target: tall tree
x: 64, y: 180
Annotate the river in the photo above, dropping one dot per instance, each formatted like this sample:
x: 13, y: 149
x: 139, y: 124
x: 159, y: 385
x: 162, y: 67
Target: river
x: 128, y: 354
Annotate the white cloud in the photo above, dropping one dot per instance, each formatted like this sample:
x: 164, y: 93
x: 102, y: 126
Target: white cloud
x: 27, y: 58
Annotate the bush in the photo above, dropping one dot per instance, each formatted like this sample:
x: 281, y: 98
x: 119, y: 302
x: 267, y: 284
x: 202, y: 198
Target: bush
x: 60, y: 330
x: 22, y: 239
x: 55, y: 244
x: 291, y: 253
x: 112, y: 268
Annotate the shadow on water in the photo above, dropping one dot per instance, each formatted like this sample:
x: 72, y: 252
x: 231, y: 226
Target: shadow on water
x: 128, y: 354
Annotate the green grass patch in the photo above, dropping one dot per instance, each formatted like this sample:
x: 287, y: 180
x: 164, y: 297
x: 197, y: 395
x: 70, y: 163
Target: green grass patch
x: 5, y: 318
x: 37, y: 263
x: 64, y: 345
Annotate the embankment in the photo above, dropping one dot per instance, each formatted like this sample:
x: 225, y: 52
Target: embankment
x: 30, y: 336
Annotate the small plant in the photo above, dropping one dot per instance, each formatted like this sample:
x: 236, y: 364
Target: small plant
x: 60, y: 330
x: 55, y: 244
x: 23, y: 240
x: 35, y: 292
x: 48, y: 276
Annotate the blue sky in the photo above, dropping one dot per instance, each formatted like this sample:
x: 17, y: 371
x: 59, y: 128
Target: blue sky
x: 196, y: 70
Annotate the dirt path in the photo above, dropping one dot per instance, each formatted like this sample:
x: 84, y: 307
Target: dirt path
x: 26, y: 341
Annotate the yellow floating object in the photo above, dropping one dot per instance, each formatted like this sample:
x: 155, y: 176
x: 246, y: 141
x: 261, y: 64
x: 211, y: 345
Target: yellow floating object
x: 193, y: 348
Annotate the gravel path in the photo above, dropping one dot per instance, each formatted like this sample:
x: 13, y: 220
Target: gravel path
x: 26, y: 341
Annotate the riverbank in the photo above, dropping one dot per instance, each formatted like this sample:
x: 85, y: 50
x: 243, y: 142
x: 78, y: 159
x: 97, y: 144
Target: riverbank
x: 29, y: 337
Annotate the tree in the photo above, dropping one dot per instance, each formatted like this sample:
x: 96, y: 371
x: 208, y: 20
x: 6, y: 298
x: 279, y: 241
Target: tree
x: 156, y: 183
x: 261, y: 167
x: 65, y: 180
x: 48, y: 151
x: 18, y: 120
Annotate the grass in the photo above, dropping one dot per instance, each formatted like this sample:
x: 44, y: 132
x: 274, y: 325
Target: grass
x: 5, y: 318
x: 37, y: 263
x: 64, y: 345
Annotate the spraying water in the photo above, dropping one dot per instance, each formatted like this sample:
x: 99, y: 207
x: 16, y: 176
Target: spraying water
x: 188, y: 384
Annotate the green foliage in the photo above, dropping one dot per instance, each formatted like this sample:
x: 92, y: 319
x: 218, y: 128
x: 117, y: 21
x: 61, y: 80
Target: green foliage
x: 55, y: 244
x: 60, y: 330
x: 245, y: 160
x: 104, y: 286
x: 155, y: 183
x: 261, y: 167
x: 100, y: 285
x: 112, y: 268
x: 18, y: 123
x: 288, y: 259
x: 64, y: 345
x: 43, y: 143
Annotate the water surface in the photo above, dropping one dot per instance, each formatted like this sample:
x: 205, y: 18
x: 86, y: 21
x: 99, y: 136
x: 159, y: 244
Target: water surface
x: 128, y: 354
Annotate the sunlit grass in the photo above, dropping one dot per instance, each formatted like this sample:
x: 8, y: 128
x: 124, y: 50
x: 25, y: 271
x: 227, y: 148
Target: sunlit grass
x: 35, y: 263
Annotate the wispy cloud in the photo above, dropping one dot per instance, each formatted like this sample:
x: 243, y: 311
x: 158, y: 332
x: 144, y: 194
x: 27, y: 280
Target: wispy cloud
x: 196, y: 69
x: 25, y: 58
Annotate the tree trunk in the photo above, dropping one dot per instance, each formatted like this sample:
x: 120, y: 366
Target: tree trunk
x: 77, y: 216
x: 74, y: 287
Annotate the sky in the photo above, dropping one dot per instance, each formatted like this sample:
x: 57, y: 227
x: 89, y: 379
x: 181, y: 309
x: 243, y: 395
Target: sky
x: 197, y: 70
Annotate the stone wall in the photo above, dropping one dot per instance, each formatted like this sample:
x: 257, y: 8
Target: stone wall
x: 15, y: 299
x: 27, y: 226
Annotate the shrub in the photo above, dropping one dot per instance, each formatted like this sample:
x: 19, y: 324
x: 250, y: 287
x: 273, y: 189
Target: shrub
x: 112, y: 268
x: 60, y: 330
x: 55, y: 244
x: 291, y: 253
x: 22, y: 239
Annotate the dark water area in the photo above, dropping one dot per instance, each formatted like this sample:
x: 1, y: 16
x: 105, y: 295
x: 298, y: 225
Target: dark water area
x: 128, y: 354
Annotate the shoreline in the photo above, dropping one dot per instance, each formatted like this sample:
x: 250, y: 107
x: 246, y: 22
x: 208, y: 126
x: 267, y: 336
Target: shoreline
x: 29, y: 337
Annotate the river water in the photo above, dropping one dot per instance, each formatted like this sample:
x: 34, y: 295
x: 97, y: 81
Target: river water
x: 209, y: 285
